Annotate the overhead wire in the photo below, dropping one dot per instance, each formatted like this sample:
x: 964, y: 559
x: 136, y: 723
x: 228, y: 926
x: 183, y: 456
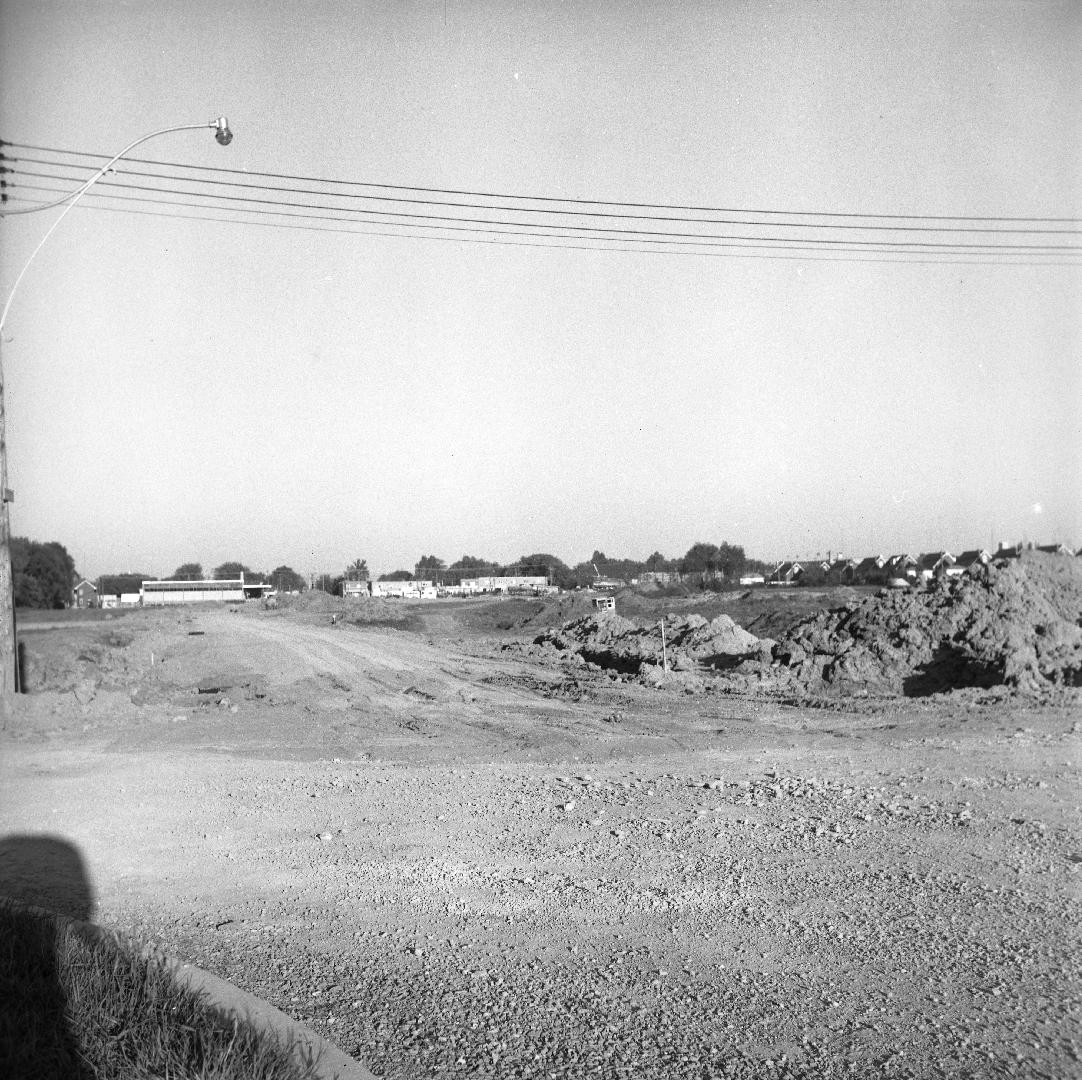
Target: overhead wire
x: 528, y: 222
x: 573, y: 213
x: 550, y: 198
x: 691, y: 237
x: 582, y: 229
x: 614, y: 244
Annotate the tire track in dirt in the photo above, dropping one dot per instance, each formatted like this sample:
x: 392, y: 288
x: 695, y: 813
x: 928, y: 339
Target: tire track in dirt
x: 388, y: 670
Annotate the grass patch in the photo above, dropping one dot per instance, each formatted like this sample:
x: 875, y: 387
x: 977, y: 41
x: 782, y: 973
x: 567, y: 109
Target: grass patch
x: 73, y: 1007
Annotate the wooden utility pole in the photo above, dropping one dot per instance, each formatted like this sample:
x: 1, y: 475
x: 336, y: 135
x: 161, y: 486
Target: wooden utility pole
x: 9, y: 681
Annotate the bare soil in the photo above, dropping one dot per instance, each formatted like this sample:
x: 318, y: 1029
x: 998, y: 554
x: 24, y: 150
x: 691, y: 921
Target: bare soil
x: 457, y: 854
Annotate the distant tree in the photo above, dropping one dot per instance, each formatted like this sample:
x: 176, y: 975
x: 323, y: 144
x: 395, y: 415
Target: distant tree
x: 469, y: 566
x: 471, y: 562
x: 581, y: 575
x: 731, y: 560
x: 43, y: 573
x: 286, y: 579
x: 542, y: 563
x: 657, y: 562
x: 231, y: 570
x: 189, y: 571
x: 397, y: 575
x: 357, y: 570
x: 28, y: 592
x: 429, y: 566
x: 701, y: 558
x: 328, y: 583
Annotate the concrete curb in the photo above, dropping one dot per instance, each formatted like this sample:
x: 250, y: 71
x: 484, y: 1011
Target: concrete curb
x: 334, y: 1064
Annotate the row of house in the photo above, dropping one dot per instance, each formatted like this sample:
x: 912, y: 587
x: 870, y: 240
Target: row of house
x: 897, y: 569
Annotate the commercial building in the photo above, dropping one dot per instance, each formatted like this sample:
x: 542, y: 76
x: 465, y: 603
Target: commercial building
x: 159, y: 593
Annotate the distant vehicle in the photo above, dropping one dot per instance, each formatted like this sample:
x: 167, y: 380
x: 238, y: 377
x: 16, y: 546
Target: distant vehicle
x: 897, y: 583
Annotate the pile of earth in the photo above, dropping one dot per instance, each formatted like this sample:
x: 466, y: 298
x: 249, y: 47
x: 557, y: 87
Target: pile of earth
x: 316, y: 605
x: 80, y: 659
x: 1015, y: 623
x: 312, y: 601
x: 687, y: 642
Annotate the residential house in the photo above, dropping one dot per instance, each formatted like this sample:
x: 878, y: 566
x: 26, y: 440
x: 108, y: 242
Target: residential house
x: 1054, y: 549
x: 904, y: 567
x: 969, y: 559
x: 84, y: 595
x: 934, y: 564
x: 815, y: 572
x: 841, y: 571
x: 786, y: 573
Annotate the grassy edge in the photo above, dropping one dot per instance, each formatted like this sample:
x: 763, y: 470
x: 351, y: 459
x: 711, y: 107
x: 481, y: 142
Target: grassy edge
x: 77, y: 1002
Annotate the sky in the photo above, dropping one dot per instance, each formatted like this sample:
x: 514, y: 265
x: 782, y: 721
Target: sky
x: 183, y: 389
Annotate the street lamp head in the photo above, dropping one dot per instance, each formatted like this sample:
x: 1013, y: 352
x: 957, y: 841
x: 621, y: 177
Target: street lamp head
x: 223, y: 134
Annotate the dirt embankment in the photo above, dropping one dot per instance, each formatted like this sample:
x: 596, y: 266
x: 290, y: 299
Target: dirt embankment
x: 1015, y: 624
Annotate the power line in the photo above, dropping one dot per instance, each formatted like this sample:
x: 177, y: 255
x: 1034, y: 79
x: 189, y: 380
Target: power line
x: 555, y: 199
x: 614, y: 244
x: 413, y: 216
x: 545, y: 210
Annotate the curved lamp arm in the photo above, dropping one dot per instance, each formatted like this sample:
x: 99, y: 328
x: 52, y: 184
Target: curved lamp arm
x: 222, y: 134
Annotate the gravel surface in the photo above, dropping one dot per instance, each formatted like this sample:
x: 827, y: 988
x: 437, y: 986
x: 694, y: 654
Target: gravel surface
x: 451, y: 871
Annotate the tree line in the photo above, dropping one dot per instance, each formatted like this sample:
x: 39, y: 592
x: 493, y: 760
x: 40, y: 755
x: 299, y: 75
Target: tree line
x: 704, y: 561
x: 44, y: 573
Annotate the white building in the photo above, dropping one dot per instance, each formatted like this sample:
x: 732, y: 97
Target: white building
x: 159, y: 593
x: 504, y: 584
x: 406, y: 590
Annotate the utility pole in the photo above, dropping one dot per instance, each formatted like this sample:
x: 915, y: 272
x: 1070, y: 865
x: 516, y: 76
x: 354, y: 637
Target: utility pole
x: 9, y: 660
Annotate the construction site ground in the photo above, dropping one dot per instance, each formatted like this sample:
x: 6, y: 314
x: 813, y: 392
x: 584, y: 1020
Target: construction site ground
x: 456, y: 854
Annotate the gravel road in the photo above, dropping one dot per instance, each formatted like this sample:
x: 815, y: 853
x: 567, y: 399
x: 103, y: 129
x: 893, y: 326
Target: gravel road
x: 652, y: 886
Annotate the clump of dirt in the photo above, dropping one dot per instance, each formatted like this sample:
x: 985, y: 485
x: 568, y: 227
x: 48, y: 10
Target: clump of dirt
x: 314, y: 601
x: 617, y: 644
x: 1016, y: 624
x: 79, y: 659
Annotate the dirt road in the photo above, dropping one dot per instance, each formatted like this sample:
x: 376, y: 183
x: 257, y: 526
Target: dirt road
x: 457, y: 864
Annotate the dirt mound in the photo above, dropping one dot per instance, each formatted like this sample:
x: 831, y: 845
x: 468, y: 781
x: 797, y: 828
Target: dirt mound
x: 619, y: 644
x: 314, y: 601
x: 1016, y: 624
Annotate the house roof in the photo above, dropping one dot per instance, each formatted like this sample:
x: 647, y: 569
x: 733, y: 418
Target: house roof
x: 85, y: 582
x: 968, y: 558
x: 786, y: 568
x: 932, y: 559
x: 872, y: 562
x: 901, y: 560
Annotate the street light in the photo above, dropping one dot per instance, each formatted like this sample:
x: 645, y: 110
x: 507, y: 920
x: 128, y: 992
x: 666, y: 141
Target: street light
x: 9, y: 675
